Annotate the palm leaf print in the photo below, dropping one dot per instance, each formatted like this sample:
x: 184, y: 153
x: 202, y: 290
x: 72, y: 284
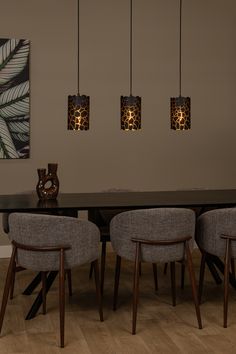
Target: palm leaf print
x: 14, y: 98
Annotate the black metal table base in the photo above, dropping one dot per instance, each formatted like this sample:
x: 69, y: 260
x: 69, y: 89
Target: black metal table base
x: 216, y: 261
x: 34, y: 283
x: 211, y: 260
x: 38, y: 301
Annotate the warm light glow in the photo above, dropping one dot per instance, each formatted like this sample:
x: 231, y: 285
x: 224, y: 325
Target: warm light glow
x: 78, y: 112
x: 130, y: 113
x: 180, y: 113
x: 181, y: 117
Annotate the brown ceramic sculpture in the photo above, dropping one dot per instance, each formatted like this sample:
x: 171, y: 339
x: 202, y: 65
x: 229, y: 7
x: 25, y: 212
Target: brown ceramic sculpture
x: 48, y: 184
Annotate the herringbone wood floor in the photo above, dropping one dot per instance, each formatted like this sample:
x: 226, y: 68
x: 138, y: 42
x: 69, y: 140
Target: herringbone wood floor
x: 161, y: 328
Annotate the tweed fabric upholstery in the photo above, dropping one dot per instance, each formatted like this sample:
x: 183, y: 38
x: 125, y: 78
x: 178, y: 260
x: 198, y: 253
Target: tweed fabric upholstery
x: 46, y: 230
x: 152, y: 224
x: 211, y: 225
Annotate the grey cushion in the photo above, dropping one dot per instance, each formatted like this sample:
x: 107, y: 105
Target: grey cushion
x: 45, y: 230
x: 211, y: 225
x: 152, y: 224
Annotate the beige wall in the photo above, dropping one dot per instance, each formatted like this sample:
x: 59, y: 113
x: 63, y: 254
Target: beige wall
x: 106, y: 157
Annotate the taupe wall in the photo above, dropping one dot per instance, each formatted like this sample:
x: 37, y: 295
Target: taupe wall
x: 105, y: 156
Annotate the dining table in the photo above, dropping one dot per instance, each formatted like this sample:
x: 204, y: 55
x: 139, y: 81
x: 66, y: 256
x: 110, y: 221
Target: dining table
x: 71, y: 203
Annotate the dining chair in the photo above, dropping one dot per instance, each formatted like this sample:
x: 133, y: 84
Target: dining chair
x: 153, y: 235
x: 216, y: 235
x: 46, y: 243
x: 17, y: 268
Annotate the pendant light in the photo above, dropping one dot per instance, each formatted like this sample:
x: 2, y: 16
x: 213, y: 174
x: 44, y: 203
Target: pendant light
x: 78, y: 105
x: 180, y: 106
x: 130, y: 105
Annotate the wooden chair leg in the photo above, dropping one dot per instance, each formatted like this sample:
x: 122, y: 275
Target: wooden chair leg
x: 62, y: 298
x: 136, y: 286
x: 154, y: 266
x: 201, y: 276
x: 16, y: 270
x: 193, y: 283
x: 7, y: 287
x: 69, y: 281
x: 117, y: 279
x: 103, y: 262
x: 173, y: 283
x: 98, y: 288
x: 226, y: 281
x: 44, y: 280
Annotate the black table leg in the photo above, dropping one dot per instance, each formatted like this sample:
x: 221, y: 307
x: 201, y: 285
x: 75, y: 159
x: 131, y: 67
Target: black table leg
x: 39, y: 299
x: 212, y: 269
x: 215, y: 261
x: 34, y: 283
x: 220, y: 265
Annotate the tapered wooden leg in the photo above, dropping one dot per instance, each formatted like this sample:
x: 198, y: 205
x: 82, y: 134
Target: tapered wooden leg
x: 69, y: 281
x: 193, y: 283
x: 103, y: 262
x: 44, y: 279
x: 8, y: 284
x: 154, y: 266
x: 98, y: 288
x: 226, y: 281
x: 136, y: 287
x: 62, y: 298
x: 117, y: 279
x: 16, y: 269
x: 173, y: 283
x: 201, y: 276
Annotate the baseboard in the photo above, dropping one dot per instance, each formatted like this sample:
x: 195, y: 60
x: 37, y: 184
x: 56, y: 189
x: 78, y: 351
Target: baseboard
x: 5, y: 251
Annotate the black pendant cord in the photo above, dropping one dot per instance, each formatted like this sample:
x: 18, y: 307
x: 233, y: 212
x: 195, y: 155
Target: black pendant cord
x: 180, y: 46
x: 131, y: 47
x: 78, y: 48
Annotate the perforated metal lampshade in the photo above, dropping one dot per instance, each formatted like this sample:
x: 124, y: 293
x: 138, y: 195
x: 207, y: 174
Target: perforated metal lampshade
x: 130, y: 107
x: 180, y: 113
x: 78, y: 112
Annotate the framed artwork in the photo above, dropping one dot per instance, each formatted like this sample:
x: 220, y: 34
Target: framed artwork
x: 14, y: 99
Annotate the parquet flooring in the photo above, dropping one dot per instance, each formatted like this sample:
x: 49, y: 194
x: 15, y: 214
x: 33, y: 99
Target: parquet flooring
x: 161, y: 328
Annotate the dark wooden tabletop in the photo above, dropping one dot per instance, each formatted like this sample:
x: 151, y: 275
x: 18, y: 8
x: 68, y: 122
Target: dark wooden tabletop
x: 82, y: 201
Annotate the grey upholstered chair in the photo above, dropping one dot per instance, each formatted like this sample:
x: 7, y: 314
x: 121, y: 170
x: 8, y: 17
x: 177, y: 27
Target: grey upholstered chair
x: 51, y: 243
x: 153, y: 235
x: 17, y: 268
x: 216, y: 235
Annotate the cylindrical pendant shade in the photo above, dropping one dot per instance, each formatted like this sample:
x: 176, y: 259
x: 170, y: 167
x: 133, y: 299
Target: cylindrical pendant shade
x: 180, y: 113
x: 130, y: 112
x: 78, y: 112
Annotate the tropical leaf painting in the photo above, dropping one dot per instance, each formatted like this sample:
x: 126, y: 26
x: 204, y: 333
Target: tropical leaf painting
x: 14, y: 99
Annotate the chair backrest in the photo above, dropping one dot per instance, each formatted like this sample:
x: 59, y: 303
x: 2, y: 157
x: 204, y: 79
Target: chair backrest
x: 46, y: 230
x: 152, y: 224
x: 211, y: 225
